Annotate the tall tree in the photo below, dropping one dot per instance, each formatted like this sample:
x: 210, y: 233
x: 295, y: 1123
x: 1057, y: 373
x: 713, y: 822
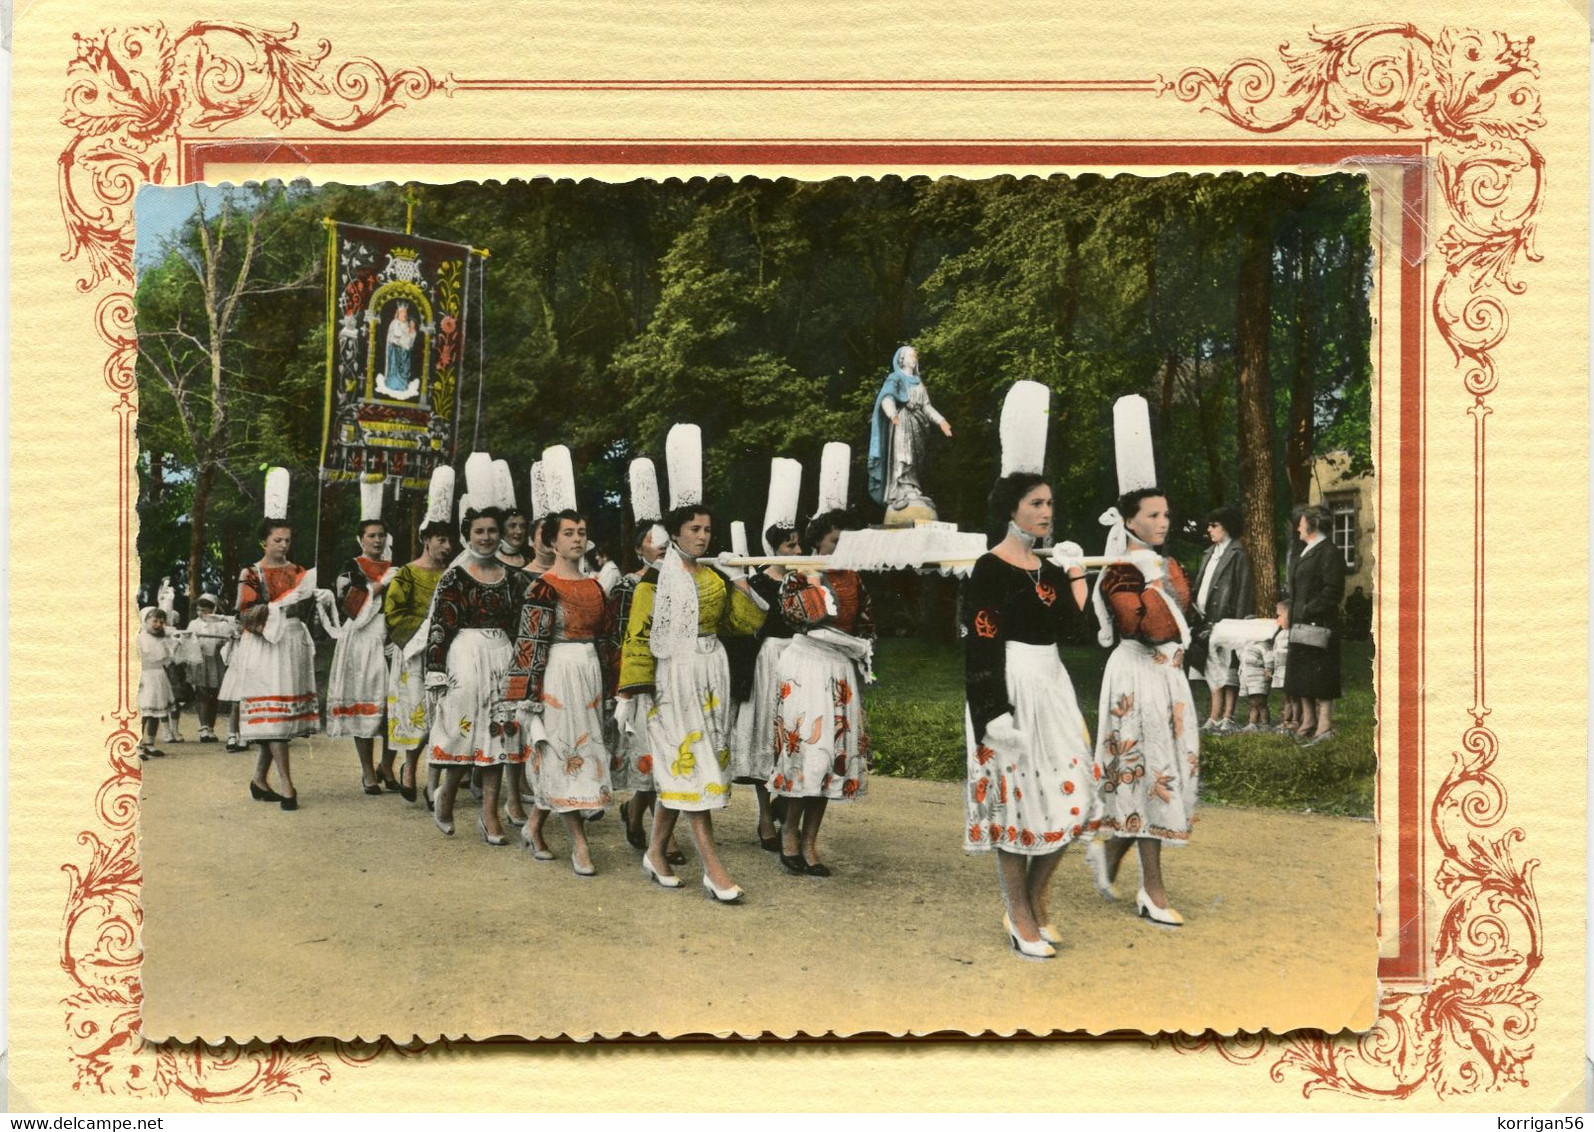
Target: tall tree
x: 193, y: 358
x: 1298, y: 450
x: 1254, y: 397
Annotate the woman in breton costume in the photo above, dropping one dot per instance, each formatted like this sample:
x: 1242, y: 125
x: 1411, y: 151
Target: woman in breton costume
x: 357, y: 682
x: 517, y: 529
x: 1147, y: 745
x: 754, y: 740
x: 405, y: 605
x: 563, y: 672
x: 476, y: 610
x: 672, y: 650
x: 1029, y: 791
x: 513, y: 551
x: 823, y: 737
x: 631, y: 767
x: 272, y: 672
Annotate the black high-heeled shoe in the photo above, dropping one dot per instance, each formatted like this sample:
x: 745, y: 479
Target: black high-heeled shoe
x: 407, y: 792
x: 769, y: 844
x: 263, y: 794
x: 675, y: 857
x: 372, y: 789
x: 794, y: 864
x: 391, y: 784
x: 291, y: 803
x: 815, y: 869
x: 633, y: 834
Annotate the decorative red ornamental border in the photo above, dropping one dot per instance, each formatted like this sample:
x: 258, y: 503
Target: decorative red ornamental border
x: 1466, y: 100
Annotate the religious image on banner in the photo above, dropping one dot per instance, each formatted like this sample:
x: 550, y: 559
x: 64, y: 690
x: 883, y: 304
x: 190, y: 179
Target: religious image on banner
x: 396, y: 310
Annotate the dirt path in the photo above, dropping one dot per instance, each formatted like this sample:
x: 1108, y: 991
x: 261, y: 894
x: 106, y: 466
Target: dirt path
x: 355, y: 917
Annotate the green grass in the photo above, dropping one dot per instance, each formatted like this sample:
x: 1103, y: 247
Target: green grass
x: 916, y: 725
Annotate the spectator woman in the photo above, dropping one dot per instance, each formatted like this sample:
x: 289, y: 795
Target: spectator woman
x: 1317, y: 587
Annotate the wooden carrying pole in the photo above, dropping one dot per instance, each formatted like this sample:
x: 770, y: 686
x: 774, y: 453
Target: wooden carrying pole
x: 822, y: 562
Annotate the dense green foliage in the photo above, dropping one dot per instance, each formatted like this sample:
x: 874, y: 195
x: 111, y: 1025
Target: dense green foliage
x: 767, y: 312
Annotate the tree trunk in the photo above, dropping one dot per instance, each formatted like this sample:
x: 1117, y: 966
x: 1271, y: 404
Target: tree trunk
x: 1209, y: 415
x: 157, y: 475
x: 1162, y: 424
x: 1170, y: 378
x: 1254, y: 408
x: 196, y: 533
x: 1068, y: 290
x: 1299, y: 442
x: 230, y: 569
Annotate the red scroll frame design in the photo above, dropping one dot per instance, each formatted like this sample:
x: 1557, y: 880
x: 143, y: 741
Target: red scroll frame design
x: 129, y: 94
x: 1467, y: 98
x: 1472, y: 94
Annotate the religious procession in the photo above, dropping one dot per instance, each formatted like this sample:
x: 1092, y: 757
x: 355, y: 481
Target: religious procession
x: 519, y: 644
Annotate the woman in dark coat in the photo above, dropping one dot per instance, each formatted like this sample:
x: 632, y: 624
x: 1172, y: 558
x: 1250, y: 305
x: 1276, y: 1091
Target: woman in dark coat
x: 1317, y: 588
x: 1223, y: 591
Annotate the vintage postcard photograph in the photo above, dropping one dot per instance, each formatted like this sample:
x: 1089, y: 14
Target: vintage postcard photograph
x: 761, y: 504
x: 657, y: 557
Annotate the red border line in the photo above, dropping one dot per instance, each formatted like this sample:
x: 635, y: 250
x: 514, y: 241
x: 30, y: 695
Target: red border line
x: 911, y: 86
x: 754, y: 84
x: 197, y: 155
x: 1410, y: 960
x: 1359, y: 145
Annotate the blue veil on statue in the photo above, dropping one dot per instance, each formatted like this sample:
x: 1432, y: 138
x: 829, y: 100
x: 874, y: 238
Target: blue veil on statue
x: 897, y: 386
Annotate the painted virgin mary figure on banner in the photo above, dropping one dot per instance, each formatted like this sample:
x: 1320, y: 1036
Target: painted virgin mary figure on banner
x: 899, y: 441
x: 401, y: 331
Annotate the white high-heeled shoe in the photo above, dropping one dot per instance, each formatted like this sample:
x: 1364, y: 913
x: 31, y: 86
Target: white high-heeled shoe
x: 531, y: 846
x: 1096, y: 859
x: 659, y: 878
x: 731, y: 895
x: 1050, y: 933
x: 1036, y: 949
x: 1156, y: 915
x: 447, y: 827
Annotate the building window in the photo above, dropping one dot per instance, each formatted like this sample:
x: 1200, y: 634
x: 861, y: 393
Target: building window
x: 1344, y: 534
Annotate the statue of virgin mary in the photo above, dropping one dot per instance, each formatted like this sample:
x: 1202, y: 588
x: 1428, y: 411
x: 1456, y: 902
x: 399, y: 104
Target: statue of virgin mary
x: 899, y: 441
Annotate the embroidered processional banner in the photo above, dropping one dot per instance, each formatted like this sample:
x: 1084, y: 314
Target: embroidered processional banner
x: 397, y: 307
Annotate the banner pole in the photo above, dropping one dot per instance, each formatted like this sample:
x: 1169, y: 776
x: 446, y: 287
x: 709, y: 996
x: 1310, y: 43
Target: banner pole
x: 459, y: 383
x: 320, y: 500
x: 331, y: 267
x: 481, y: 349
